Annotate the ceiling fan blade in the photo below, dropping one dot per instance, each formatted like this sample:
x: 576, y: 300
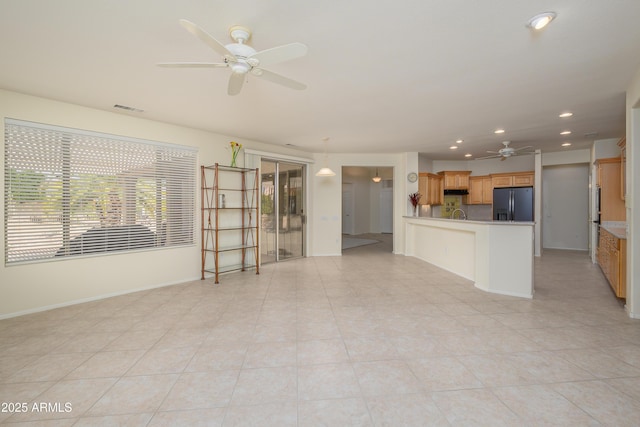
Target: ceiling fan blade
x: 207, y: 39
x: 487, y: 157
x: 235, y: 83
x: 282, y: 53
x: 277, y: 78
x: 522, y: 148
x: 193, y: 65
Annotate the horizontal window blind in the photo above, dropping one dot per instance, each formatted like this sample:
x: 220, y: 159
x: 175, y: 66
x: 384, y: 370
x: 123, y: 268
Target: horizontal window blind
x: 70, y: 192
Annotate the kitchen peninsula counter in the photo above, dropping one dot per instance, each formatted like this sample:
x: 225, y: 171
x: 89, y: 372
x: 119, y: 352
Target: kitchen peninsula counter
x: 496, y: 255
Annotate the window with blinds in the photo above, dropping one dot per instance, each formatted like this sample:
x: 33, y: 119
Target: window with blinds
x: 70, y: 192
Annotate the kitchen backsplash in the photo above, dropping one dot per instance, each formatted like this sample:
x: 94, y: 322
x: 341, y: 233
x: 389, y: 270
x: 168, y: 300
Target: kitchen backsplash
x: 474, y: 212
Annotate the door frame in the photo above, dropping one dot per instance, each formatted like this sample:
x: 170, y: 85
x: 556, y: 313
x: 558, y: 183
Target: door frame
x: 350, y: 227
x: 276, y: 207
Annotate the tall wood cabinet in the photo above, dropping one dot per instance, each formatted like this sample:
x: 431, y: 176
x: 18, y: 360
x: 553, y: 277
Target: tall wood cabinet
x: 608, y: 179
x: 230, y: 226
x: 430, y: 189
x: 623, y: 167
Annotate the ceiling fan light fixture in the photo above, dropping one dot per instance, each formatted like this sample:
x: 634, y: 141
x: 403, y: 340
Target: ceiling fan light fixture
x: 243, y: 59
x: 240, y: 67
x: 541, y: 20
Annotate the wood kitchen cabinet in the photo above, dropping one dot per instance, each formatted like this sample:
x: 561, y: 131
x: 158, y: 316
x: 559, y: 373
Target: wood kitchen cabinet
x: 611, y: 204
x: 623, y: 167
x: 513, y: 179
x: 455, y: 180
x: 487, y: 190
x: 480, y: 190
x: 612, y: 259
x: 430, y: 189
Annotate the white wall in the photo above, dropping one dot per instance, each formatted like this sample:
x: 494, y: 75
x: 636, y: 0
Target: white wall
x: 633, y: 197
x: 517, y: 163
x: 36, y: 286
x: 482, y: 167
x: 566, y: 157
x: 606, y: 148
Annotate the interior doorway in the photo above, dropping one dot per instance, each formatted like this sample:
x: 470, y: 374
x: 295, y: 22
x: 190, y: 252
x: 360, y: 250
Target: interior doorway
x: 282, y: 205
x: 367, y: 206
x: 565, y: 207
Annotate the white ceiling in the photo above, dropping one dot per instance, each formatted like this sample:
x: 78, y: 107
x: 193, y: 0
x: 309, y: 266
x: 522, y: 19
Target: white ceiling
x: 383, y: 76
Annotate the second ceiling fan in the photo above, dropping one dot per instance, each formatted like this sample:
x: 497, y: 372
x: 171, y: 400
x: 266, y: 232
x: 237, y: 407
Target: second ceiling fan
x: 242, y: 59
x: 506, y: 152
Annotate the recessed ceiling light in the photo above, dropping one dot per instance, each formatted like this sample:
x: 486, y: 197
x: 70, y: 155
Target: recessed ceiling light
x: 459, y: 141
x: 566, y: 144
x: 453, y: 147
x: 541, y: 20
x: 468, y: 155
x: 567, y: 114
x: 498, y: 131
x: 565, y: 132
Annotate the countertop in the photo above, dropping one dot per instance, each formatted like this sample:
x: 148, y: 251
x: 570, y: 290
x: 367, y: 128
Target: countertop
x: 617, y: 228
x: 471, y: 221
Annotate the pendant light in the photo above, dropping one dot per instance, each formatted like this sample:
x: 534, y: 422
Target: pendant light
x: 376, y: 178
x: 325, y: 171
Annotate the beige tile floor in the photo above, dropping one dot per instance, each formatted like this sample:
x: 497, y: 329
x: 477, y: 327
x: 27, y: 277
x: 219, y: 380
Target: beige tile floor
x: 369, y: 338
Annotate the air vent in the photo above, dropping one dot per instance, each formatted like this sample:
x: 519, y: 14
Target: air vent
x: 126, y: 107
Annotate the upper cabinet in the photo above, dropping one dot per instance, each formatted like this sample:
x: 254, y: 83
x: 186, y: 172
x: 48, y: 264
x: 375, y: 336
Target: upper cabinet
x: 611, y: 204
x: 480, y: 190
x: 430, y: 189
x: 513, y: 179
x: 623, y: 167
x: 455, y: 180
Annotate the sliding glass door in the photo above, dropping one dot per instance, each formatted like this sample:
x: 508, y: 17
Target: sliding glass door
x: 283, y: 211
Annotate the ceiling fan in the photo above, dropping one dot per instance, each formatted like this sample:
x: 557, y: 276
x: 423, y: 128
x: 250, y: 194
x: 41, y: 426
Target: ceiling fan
x: 506, y: 152
x: 242, y: 59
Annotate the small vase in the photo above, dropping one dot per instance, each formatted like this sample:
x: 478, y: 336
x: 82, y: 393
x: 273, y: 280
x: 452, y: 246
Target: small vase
x: 415, y: 210
x: 233, y: 162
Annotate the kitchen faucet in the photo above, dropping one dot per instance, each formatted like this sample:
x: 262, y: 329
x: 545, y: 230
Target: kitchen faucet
x: 464, y: 215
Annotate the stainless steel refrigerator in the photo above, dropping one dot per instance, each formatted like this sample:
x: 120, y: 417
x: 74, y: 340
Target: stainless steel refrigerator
x: 513, y: 204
